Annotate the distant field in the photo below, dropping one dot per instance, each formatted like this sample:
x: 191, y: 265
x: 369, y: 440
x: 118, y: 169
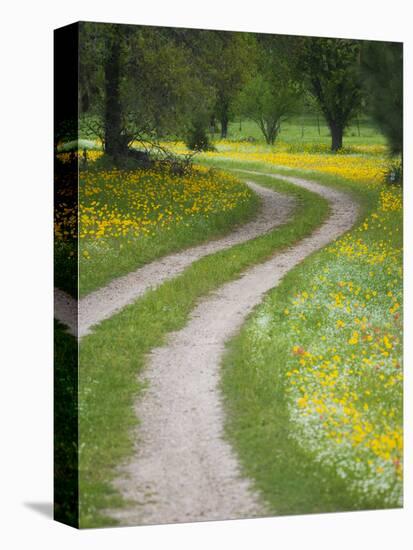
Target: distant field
x: 306, y: 130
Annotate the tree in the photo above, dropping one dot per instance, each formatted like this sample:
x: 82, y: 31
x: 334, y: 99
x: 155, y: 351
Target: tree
x: 382, y: 69
x: 268, y: 104
x: 232, y: 64
x: 116, y: 141
x: 140, y: 88
x: 331, y: 72
x: 203, y: 48
x: 222, y: 61
x: 273, y: 94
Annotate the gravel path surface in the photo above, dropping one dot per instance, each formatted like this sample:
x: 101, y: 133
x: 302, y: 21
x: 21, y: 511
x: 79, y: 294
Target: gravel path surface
x: 183, y: 469
x: 104, y: 302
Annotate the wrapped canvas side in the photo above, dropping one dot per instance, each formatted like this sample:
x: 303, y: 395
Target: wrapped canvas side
x: 66, y: 480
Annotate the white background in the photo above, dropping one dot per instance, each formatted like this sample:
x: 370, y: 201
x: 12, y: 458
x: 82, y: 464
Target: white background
x: 26, y: 271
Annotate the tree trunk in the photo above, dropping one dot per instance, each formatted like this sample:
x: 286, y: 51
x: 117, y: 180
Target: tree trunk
x: 115, y: 144
x: 271, y: 135
x: 212, y: 124
x: 336, y: 136
x: 269, y: 131
x: 273, y: 130
x: 224, y: 125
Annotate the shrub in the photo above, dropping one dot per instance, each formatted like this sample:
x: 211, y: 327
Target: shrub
x: 197, y: 138
x: 393, y: 174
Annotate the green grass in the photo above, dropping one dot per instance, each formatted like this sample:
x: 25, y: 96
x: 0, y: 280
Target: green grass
x: 286, y: 454
x: 305, y: 131
x: 112, y: 357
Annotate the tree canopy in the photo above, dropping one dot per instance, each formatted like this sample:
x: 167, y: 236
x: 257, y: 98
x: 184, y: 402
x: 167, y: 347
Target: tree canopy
x: 267, y: 104
x: 382, y: 66
x: 331, y: 70
x: 272, y: 94
x: 138, y: 84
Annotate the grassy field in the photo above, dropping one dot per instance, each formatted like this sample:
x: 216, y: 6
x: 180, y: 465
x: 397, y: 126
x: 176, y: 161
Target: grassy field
x: 307, y: 129
x: 312, y: 384
x: 111, y: 357
x: 304, y: 130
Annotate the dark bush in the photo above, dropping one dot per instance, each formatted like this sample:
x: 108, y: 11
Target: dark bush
x: 394, y: 172
x: 197, y: 138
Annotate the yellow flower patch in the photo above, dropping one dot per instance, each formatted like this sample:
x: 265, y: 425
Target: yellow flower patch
x: 117, y: 203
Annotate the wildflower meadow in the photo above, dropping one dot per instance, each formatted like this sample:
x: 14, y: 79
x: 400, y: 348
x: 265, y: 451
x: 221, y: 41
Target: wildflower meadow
x: 229, y: 277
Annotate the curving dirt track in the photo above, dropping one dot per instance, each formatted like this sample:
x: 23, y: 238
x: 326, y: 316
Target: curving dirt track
x: 183, y: 469
x: 105, y: 302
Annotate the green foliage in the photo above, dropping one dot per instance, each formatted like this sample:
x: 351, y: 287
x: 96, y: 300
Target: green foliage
x: 330, y: 66
x: 136, y: 83
x: 268, y: 104
x: 222, y: 61
x: 394, y: 172
x: 167, y: 77
x: 233, y: 64
x: 272, y: 94
x: 197, y: 138
x: 382, y: 67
